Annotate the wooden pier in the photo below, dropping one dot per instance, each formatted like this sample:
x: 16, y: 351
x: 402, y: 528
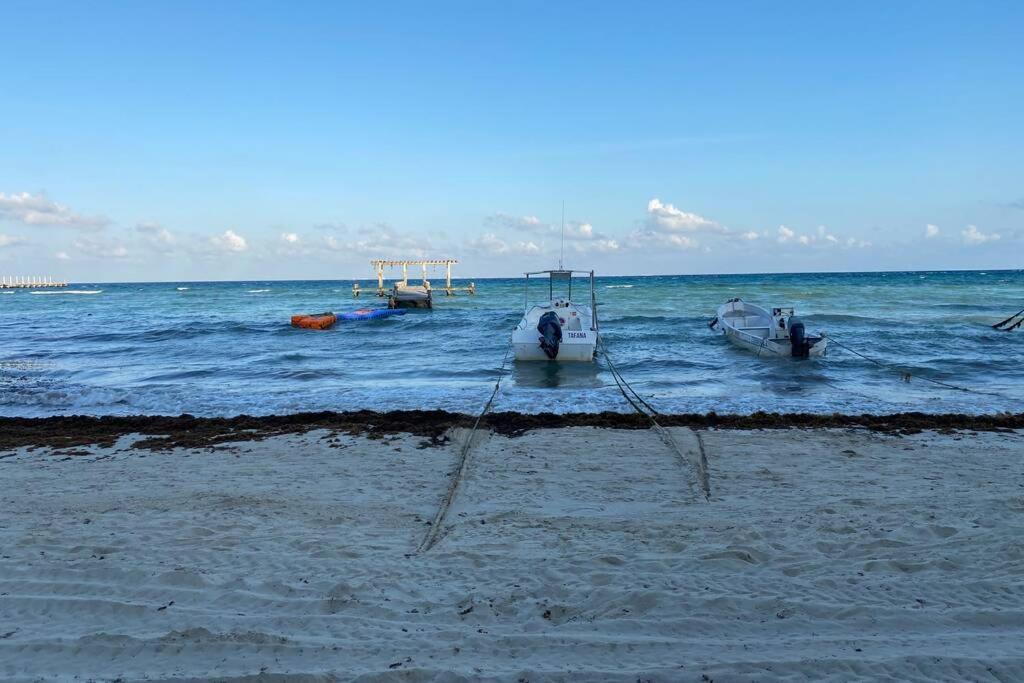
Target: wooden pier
x: 35, y: 282
x: 379, y: 265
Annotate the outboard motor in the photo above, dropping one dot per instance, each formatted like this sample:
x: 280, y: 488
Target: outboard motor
x: 800, y: 345
x: 551, y: 333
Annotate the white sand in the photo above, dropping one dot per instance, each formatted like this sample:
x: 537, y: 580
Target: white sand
x: 575, y: 554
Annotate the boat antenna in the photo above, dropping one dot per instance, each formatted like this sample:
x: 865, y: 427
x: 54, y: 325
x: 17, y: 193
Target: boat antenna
x: 561, y: 251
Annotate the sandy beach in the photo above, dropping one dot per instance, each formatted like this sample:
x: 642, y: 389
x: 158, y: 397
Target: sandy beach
x: 569, y: 553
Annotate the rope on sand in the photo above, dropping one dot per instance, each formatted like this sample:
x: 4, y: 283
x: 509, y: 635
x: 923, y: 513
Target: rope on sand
x: 647, y: 410
x: 437, y: 525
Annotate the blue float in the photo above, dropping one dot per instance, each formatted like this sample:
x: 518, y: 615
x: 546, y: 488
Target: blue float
x: 371, y: 313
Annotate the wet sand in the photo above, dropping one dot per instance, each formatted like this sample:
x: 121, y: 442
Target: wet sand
x: 176, y: 548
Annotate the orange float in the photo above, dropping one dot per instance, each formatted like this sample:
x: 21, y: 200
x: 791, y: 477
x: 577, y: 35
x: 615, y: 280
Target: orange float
x: 316, y: 321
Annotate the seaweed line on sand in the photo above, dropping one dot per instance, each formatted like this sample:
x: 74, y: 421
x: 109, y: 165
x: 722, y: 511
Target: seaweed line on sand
x: 188, y: 431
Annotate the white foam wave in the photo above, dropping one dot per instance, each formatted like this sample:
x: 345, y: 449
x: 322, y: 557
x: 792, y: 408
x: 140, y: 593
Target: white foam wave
x: 257, y: 291
x: 618, y: 287
x: 72, y: 291
x: 182, y: 289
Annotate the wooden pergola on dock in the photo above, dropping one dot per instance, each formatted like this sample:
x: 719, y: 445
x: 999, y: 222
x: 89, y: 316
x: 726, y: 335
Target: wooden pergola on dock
x: 380, y: 264
x: 30, y: 282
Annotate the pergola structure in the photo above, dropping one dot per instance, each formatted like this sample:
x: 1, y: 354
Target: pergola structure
x: 380, y: 264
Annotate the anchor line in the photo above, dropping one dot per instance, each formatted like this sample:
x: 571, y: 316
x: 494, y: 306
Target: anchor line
x: 648, y: 411
x: 907, y: 376
x: 999, y: 325
x: 437, y: 525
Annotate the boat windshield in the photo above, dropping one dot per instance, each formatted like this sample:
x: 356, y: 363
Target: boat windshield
x: 560, y: 284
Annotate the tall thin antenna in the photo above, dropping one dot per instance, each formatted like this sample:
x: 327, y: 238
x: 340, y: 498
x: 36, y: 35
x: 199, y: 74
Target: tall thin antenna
x: 561, y: 251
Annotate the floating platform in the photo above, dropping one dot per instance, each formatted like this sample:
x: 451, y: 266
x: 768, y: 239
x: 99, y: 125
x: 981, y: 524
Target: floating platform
x: 371, y: 313
x: 314, y: 321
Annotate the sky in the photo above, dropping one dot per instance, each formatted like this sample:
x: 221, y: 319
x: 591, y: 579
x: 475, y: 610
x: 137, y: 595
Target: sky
x: 270, y: 140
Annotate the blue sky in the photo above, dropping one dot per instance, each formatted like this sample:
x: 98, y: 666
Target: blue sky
x: 167, y: 141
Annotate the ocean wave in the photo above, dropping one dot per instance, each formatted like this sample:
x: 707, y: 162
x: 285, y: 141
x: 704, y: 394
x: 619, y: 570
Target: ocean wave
x: 256, y: 291
x: 646, y: 319
x: 72, y: 291
x: 618, y: 286
x: 182, y: 289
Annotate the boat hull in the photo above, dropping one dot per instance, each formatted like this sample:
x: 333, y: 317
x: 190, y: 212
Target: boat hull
x: 576, y: 346
x: 765, y: 347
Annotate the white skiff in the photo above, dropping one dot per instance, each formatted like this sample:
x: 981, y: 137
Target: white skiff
x: 559, y: 329
x: 777, y: 333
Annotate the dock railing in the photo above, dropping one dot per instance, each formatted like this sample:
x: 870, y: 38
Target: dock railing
x: 30, y: 282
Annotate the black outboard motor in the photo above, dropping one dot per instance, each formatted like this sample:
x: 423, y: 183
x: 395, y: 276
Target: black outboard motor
x: 800, y: 345
x: 551, y: 333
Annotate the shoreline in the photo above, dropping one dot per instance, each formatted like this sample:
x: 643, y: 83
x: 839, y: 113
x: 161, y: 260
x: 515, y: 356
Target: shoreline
x: 165, y: 432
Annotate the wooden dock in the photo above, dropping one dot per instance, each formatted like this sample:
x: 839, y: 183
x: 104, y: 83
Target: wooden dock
x: 16, y: 282
x: 379, y: 265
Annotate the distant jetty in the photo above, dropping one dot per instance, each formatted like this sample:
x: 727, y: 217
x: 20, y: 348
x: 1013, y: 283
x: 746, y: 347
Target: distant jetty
x: 35, y: 282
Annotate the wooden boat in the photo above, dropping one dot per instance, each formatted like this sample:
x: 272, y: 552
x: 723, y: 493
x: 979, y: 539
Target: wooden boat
x: 559, y: 329
x: 776, y: 333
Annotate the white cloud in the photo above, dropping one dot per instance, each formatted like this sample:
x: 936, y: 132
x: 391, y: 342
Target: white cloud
x: 674, y: 241
x: 524, y: 223
x: 29, y: 209
x: 750, y: 235
x: 289, y: 238
x: 11, y: 241
x: 492, y: 245
x: 974, y: 236
x: 671, y: 227
x: 62, y: 256
x: 380, y: 240
x: 574, y: 230
x: 603, y: 246
x: 671, y: 219
x: 931, y: 231
x: 230, y: 241
x: 101, y: 249
x: 820, y: 238
x: 157, y: 236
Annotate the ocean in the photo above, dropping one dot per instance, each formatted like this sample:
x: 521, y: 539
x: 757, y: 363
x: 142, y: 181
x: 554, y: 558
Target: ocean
x: 226, y: 348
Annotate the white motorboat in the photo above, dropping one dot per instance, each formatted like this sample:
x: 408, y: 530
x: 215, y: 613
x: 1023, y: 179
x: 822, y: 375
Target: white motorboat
x: 779, y: 332
x: 560, y: 329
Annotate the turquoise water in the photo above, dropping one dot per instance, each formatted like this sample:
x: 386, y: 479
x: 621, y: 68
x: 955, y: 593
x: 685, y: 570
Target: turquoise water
x: 226, y: 348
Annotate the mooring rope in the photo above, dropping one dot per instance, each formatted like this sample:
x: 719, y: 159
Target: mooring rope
x: 999, y: 325
x: 636, y: 401
x: 437, y: 525
x: 906, y: 376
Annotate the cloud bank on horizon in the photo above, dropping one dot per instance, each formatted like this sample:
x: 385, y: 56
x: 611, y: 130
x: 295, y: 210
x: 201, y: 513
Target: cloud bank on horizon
x: 54, y: 236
